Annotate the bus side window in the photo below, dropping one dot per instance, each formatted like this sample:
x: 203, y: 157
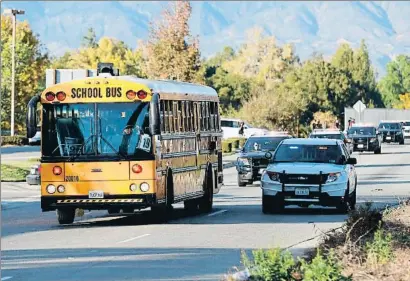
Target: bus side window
x: 170, y: 116
x: 182, y: 116
x: 213, y: 117
x: 195, y: 112
x: 162, y: 115
x: 175, y: 115
x: 203, y: 116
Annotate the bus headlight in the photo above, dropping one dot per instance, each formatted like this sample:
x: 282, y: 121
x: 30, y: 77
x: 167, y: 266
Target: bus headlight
x: 61, y: 188
x: 51, y: 189
x: 133, y: 187
x: 144, y: 187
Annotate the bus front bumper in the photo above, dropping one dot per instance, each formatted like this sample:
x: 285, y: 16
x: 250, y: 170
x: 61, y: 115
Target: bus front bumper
x: 139, y: 201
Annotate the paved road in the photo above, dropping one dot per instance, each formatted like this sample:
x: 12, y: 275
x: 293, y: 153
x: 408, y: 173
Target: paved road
x: 19, y: 153
x: 201, y: 247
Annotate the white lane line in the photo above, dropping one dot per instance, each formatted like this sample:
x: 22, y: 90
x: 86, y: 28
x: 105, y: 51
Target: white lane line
x: 134, y: 238
x: 6, y: 278
x: 217, y: 213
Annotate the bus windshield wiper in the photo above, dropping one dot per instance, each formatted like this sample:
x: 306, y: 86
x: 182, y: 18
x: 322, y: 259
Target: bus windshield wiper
x: 81, y: 148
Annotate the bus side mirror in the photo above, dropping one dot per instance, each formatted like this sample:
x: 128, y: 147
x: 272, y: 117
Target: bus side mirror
x: 154, y: 116
x: 32, y: 116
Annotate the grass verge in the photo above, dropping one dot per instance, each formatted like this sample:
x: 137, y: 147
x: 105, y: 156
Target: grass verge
x: 12, y: 173
x: 16, y: 171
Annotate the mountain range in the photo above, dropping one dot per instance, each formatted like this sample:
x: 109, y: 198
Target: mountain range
x: 312, y: 26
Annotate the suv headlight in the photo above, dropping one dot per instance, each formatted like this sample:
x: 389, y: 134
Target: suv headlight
x: 243, y: 161
x: 273, y: 176
x: 332, y: 177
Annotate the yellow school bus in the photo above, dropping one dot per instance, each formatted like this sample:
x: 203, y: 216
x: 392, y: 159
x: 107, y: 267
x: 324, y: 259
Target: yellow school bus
x: 122, y: 143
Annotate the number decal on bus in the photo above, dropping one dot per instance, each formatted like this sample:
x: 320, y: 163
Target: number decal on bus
x: 72, y: 178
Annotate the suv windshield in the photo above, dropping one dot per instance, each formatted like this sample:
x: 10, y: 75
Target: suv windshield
x: 308, y: 153
x: 327, y: 136
x: 83, y: 130
x: 407, y: 123
x: 389, y: 126
x: 263, y: 143
x: 362, y: 131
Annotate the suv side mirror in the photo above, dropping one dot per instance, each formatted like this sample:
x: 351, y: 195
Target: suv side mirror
x: 268, y: 155
x: 351, y: 161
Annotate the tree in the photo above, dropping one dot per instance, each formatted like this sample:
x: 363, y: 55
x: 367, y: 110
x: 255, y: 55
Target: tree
x: 171, y: 52
x: 261, y: 58
x: 404, y: 102
x: 31, y: 63
x: 356, y: 65
x: 364, y: 76
x: 129, y: 62
x: 397, y: 80
x: 344, y: 58
x: 90, y: 39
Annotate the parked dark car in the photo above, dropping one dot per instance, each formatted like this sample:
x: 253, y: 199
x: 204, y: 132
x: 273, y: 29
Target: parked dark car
x: 365, y: 138
x: 252, y: 161
x: 392, y: 131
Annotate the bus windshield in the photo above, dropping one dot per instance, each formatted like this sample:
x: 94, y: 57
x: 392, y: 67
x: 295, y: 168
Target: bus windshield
x: 99, y: 130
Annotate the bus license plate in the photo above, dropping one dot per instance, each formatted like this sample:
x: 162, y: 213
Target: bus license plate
x: 360, y: 145
x: 95, y: 194
x: 301, y: 191
x: 388, y: 138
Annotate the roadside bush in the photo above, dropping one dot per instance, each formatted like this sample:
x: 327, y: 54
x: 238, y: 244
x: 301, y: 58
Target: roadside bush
x: 380, y: 249
x: 13, y: 140
x: 279, y: 265
x: 269, y: 265
x: 322, y: 269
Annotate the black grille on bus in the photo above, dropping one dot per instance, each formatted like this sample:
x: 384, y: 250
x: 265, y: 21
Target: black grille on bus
x: 302, y: 179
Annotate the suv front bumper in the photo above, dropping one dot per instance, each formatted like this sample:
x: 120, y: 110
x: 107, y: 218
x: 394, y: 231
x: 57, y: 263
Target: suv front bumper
x: 248, y: 173
x: 329, y: 194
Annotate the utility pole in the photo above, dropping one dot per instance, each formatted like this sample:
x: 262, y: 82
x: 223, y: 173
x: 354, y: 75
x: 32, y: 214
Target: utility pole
x: 13, y: 13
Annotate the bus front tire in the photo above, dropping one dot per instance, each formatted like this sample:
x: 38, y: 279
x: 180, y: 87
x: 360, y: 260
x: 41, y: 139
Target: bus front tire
x: 206, y: 202
x: 191, y: 206
x: 65, y: 216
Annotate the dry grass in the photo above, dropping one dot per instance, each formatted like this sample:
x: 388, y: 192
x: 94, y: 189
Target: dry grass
x: 351, y: 244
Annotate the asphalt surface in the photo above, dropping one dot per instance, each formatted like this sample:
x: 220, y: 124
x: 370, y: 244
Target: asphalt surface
x: 189, y: 247
x: 19, y: 153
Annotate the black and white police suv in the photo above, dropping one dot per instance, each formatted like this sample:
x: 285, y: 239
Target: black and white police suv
x: 251, y: 161
x: 309, y: 171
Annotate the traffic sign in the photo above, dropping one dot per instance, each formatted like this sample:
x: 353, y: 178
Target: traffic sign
x: 359, y: 106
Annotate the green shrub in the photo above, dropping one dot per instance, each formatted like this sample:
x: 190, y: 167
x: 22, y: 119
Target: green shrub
x: 269, y: 265
x: 226, y: 146
x: 13, y: 140
x: 322, y: 269
x: 380, y: 249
